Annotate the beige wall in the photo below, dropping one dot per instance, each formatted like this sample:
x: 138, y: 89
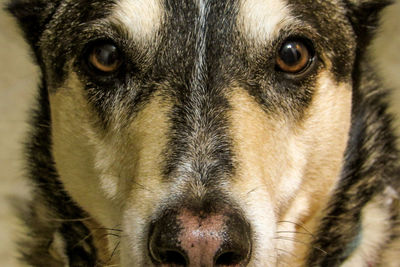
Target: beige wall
x: 18, y: 84
x: 386, y: 50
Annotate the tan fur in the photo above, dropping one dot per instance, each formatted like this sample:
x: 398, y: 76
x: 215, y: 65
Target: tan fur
x: 286, y: 169
x: 147, y: 141
x: 73, y: 127
x: 114, y: 176
x: 391, y: 255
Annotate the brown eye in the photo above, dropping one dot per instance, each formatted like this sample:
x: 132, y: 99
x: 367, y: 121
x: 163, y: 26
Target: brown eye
x: 104, y: 57
x: 294, y: 57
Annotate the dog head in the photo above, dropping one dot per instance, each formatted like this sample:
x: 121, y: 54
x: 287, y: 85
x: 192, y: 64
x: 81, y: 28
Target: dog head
x: 208, y: 132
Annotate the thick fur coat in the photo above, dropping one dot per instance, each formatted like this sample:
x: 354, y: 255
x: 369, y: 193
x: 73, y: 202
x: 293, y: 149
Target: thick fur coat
x: 199, y: 120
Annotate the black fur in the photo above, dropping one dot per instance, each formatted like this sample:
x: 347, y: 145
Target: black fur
x: 199, y: 115
x: 371, y: 124
x: 172, y: 64
x: 66, y: 217
x: 33, y: 16
x: 364, y: 16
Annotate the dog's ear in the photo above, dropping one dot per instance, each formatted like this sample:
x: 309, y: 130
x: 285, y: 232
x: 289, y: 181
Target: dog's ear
x: 364, y: 15
x: 32, y: 15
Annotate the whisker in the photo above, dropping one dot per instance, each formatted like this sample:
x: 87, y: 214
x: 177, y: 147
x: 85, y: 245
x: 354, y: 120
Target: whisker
x: 288, y: 252
x: 284, y: 261
x: 300, y: 242
x: 111, y: 234
x: 115, y: 249
x: 108, y: 229
x: 251, y: 191
x: 134, y: 182
x: 83, y: 239
x: 91, y: 234
x: 69, y: 220
x: 294, y: 232
x: 254, y: 189
x: 298, y: 225
x: 143, y: 187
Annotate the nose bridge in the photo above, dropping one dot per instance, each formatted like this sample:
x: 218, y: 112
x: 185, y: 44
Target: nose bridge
x: 199, y: 148
x: 200, y: 144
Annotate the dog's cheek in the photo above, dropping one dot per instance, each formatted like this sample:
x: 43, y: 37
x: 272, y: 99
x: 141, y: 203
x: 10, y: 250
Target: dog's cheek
x: 131, y: 163
x: 148, y: 138
x: 269, y: 166
x: 285, y: 168
x: 75, y: 143
x: 114, y: 174
x: 324, y: 130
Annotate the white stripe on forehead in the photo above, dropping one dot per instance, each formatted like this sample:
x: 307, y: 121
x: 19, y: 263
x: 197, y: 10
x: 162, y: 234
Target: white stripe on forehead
x: 261, y: 20
x: 142, y: 18
x: 201, y: 38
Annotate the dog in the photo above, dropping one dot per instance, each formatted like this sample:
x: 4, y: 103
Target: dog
x: 209, y: 133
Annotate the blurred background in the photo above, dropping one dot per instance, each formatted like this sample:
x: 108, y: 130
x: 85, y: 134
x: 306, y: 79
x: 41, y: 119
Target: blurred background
x: 18, y: 80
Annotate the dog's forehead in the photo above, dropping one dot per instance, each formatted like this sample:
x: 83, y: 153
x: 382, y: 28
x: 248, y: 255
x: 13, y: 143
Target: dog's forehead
x: 175, y: 36
x: 142, y: 18
x: 259, y: 20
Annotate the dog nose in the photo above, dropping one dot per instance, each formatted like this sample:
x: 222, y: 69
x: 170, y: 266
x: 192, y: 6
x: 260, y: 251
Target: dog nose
x: 189, y: 239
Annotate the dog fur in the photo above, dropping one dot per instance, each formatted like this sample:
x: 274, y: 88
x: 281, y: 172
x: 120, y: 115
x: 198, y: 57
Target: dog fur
x: 198, y: 118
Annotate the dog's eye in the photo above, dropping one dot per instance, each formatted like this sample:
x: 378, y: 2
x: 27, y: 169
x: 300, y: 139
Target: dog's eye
x: 104, y: 57
x: 294, y: 56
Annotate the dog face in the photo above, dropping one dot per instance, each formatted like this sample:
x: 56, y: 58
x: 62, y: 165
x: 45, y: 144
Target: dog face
x: 208, y: 132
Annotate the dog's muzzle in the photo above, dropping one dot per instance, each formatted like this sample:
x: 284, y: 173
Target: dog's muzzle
x: 188, y: 238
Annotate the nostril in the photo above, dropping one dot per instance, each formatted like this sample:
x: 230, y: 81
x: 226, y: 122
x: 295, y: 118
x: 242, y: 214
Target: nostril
x: 169, y: 254
x: 187, y: 239
x: 236, y: 246
x: 172, y: 257
x: 164, y: 247
x: 229, y: 259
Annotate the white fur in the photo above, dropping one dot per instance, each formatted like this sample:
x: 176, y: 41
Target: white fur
x: 58, y: 249
x: 203, y: 10
x: 142, y: 18
x: 261, y: 20
x: 263, y: 226
x: 375, y: 233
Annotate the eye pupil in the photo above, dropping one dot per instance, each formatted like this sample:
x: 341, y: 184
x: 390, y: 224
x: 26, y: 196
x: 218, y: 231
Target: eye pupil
x: 291, y: 54
x: 105, y: 57
x: 106, y: 54
x: 293, y: 57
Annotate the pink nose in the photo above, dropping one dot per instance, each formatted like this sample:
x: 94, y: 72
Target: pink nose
x: 197, y: 240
